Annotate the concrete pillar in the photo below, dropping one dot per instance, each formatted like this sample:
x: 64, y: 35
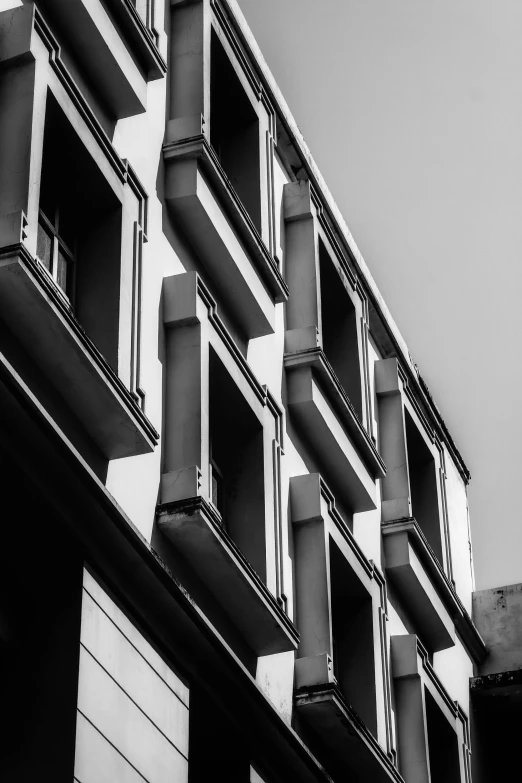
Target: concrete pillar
x: 303, y: 309
x: 23, y: 92
x: 396, y: 496
x: 411, y: 711
x: 312, y: 582
x: 186, y: 443
x: 189, y: 107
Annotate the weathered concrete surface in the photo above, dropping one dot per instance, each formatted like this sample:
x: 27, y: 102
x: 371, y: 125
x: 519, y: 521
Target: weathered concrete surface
x: 498, y: 616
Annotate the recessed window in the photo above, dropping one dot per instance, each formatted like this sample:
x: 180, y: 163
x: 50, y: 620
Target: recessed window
x: 234, y: 131
x: 79, y: 231
x: 353, y: 642
x: 237, y: 465
x: 443, y: 745
x: 339, y: 330
x: 423, y: 486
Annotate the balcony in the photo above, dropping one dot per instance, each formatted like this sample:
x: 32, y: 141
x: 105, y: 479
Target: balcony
x: 347, y: 745
x: 196, y: 529
x: 320, y: 406
x: 40, y: 318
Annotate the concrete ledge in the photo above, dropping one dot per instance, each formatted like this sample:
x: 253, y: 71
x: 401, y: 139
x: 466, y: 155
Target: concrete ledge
x: 344, y: 467
x: 216, y: 226
x: 33, y: 308
x: 409, y: 578
x: 343, y: 740
x: 322, y: 368
x: 463, y: 623
x: 195, y: 529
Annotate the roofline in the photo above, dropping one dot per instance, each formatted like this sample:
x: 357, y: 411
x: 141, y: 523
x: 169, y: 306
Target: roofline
x: 284, y: 114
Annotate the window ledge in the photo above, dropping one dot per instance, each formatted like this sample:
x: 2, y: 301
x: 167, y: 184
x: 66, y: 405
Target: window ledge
x: 316, y: 359
x: 194, y: 528
x: 197, y: 148
x: 346, y: 741
x: 41, y: 319
x: 443, y: 587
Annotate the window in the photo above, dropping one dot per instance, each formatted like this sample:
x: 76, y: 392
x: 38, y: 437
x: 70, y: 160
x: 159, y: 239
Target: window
x: 79, y: 232
x: 352, y: 637
x: 423, y: 486
x: 237, y: 465
x: 339, y: 330
x: 234, y: 131
x: 443, y: 746
x: 54, y: 253
x: 216, y: 485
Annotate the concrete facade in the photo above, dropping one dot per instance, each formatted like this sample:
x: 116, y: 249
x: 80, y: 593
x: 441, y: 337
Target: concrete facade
x: 248, y: 555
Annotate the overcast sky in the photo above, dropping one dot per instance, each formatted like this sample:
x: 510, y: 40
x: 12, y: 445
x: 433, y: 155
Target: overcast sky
x: 413, y: 111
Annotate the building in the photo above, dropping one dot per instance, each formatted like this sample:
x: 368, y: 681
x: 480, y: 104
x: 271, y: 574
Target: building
x: 496, y: 691
x: 235, y: 528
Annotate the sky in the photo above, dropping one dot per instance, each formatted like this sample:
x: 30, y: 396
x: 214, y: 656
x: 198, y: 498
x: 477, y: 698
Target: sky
x: 413, y: 111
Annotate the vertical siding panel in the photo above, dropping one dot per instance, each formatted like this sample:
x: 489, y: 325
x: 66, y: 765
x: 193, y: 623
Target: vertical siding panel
x: 132, y: 722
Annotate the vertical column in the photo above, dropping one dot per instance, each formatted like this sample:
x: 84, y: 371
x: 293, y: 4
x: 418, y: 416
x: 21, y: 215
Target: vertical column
x: 312, y: 583
x: 301, y: 268
x: 396, y: 498
x: 363, y: 332
x: 189, y: 110
x: 266, y: 151
x: 186, y: 435
x: 23, y: 92
x: 411, y: 711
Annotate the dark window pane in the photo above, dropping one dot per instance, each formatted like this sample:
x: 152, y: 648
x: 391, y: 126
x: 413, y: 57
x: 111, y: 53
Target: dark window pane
x: 62, y: 271
x: 48, y: 197
x: 44, y: 247
x: 217, y: 489
x: 67, y: 226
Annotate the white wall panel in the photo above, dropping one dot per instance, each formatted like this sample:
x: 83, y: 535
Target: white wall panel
x: 132, y: 708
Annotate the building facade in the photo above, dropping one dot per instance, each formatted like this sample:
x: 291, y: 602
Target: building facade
x: 235, y: 533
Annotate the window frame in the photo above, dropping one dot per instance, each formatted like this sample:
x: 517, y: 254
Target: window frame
x: 58, y: 244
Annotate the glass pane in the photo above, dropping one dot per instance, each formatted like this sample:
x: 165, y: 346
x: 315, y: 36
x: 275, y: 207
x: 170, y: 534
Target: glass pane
x: 44, y: 247
x: 67, y: 226
x: 48, y: 197
x: 62, y: 270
